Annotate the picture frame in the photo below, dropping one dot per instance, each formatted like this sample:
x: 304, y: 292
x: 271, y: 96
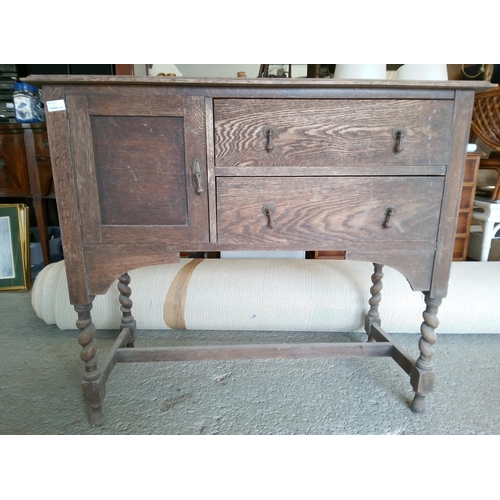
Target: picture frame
x: 14, y: 248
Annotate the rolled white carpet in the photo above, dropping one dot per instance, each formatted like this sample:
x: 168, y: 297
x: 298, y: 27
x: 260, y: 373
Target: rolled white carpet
x: 277, y: 295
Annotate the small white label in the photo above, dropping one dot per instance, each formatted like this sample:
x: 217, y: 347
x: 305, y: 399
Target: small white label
x: 58, y: 105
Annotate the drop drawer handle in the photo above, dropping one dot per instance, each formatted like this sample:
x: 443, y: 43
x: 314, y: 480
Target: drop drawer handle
x: 268, y: 209
x: 389, y: 211
x: 269, y: 132
x: 399, y: 133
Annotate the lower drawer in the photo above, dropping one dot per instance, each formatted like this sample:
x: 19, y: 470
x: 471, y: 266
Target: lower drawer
x: 320, y: 210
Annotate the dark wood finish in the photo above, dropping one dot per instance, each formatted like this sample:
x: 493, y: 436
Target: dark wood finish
x: 128, y: 320
x: 373, y: 316
x: 313, y: 70
x: 93, y: 390
x: 152, y: 140
x: 14, y: 178
x: 466, y: 205
x: 147, y: 167
x: 464, y: 216
x: 68, y: 207
x: 26, y: 171
x: 271, y: 83
x: 329, y: 254
x: 350, y: 133
x: 422, y: 375
x: 105, y: 263
x: 124, y: 69
x: 451, y: 199
x: 327, y: 210
x: 398, y: 354
x: 255, y: 351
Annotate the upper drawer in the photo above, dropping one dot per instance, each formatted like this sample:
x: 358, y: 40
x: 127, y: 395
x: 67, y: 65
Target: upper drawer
x: 342, y: 133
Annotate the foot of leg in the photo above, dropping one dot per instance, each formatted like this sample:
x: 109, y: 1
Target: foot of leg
x: 97, y: 418
x: 418, y: 403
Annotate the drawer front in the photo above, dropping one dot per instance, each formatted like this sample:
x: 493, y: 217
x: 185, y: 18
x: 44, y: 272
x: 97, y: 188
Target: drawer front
x: 14, y: 179
x: 309, y: 211
x: 345, y: 132
x: 44, y: 169
x: 42, y: 144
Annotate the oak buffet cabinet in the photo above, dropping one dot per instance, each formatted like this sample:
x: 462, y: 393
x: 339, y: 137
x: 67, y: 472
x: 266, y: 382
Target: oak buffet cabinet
x: 146, y: 167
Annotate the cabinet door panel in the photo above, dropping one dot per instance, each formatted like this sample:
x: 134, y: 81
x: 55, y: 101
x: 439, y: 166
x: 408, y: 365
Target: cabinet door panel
x: 134, y: 170
x: 148, y: 175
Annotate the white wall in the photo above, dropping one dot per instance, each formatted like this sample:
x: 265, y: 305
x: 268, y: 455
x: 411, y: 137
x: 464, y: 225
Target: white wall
x: 140, y: 70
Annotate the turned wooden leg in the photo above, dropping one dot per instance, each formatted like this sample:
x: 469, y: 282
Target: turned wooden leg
x: 93, y: 392
x: 40, y: 206
x: 422, y: 374
x: 127, y: 320
x: 373, y: 315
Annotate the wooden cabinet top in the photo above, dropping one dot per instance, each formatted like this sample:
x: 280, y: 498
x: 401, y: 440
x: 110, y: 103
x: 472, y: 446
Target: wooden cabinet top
x: 311, y: 83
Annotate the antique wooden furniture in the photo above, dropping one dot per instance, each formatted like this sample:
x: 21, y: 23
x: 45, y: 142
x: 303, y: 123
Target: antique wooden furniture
x: 25, y: 171
x: 145, y: 167
x: 485, y: 125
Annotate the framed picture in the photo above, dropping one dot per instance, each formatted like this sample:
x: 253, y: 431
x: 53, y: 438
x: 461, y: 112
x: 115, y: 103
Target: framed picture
x: 14, y: 248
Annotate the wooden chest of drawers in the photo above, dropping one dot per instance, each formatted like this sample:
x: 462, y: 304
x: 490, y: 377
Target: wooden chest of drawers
x: 147, y: 167
x: 26, y: 172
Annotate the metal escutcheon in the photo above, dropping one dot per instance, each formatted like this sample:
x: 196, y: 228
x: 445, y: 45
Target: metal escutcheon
x: 197, y: 171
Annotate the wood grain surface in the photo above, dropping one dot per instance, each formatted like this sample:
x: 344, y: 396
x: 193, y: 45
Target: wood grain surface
x: 316, y: 133
x: 315, y: 210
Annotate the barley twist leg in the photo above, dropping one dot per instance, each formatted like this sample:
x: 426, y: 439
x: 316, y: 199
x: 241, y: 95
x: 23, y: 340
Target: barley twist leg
x: 127, y: 320
x: 373, y: 315
x: 422, y: 375
x: 92, y: 392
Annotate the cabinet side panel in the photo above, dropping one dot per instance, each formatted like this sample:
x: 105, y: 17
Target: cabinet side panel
x: 462, y: 114
x: 67, y: 204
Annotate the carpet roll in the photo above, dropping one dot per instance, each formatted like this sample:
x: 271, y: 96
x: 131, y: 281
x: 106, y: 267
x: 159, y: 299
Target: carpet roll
x: 276, y: 295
